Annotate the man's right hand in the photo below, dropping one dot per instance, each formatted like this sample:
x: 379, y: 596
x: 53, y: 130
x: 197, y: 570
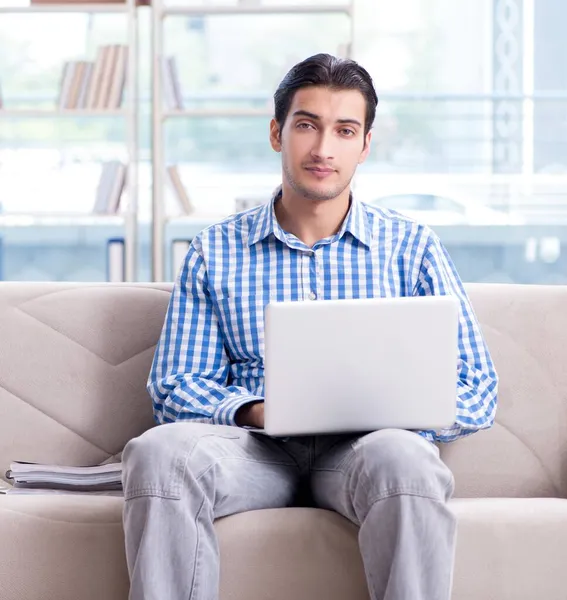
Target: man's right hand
x: 251, y: 414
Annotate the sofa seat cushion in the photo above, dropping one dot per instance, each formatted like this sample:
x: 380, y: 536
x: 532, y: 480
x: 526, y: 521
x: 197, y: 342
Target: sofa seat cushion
x: 59, y: 547
x: 318, y: 548
x: 510, y: 548
x: 62, y: 547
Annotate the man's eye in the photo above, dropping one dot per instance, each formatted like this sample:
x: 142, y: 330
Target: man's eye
x: 304, y: 125
x: 347, y: 132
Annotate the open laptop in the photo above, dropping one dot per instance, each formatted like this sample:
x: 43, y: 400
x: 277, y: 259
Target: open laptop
x: 339, y: 366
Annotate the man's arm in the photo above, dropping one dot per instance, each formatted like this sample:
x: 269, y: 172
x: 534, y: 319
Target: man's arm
x: 189, y: 374
x: 477, y: 382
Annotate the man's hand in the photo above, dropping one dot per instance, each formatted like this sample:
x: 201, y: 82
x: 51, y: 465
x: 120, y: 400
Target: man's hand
x: 251, y: 414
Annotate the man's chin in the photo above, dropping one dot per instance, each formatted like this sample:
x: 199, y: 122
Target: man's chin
x: 319, y: 194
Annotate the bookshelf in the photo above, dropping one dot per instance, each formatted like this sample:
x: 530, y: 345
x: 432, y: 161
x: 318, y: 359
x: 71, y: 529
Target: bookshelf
x: 161, y: 11
x: 75, y: 113
x: 68, y: 8
x: 217, y: 112
x: 127, y: 110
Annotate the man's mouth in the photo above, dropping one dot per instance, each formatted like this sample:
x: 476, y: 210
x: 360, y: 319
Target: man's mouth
x: 320, y: 172
x: 321, y: 169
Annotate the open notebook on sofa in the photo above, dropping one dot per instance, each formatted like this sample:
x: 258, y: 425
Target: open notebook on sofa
x: 36, y: 478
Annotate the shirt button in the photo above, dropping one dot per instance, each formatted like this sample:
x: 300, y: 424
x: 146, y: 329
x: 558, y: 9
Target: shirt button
x: 312, y: 296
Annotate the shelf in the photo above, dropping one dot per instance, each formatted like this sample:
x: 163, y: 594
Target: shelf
x: 198, y: 219
x: 218, y: 112
x: 66, y: 8
x: 25, y: 113
x: 255, y: 10
x: 30, y: 219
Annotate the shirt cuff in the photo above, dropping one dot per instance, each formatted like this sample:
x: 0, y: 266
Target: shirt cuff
x: 429, y: 435
x: 226, y: 411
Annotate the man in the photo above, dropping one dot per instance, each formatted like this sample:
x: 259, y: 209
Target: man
x: 312, y: 241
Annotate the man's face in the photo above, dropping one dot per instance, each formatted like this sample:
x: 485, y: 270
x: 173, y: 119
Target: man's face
x: 322, y: 141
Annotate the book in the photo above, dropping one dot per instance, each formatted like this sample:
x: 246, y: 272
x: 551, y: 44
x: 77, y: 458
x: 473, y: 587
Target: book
x: 173, y: 75
x: 95, y: 80
x: 115, y: 260
x: 110, y: 187
x: 117, y: 188
x: 116, y: 87
x: 103, y: 88
x: 85, y: 82
x: 179, y: 190
x: 29, y: 477
x: 76, y: 83
x: 28, y: 491
x: 67, y: 75
x: 172, y: 94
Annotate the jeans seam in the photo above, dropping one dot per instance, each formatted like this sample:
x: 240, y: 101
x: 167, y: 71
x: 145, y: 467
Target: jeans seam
x: 399, y: 491
x: 450, y: 487
x: 327, y: 469
x: 197, y: 545
x: 251, y: 460
x: 152, y: 491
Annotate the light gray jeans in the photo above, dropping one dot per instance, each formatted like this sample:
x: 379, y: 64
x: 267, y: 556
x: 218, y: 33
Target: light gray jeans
x: 178, y: 478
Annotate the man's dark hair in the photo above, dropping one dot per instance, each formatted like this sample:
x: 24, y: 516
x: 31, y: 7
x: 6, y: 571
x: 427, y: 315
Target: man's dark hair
x: 326, y: 71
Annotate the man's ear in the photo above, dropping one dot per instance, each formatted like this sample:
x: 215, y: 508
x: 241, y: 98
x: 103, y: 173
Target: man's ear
x: 366, y: 148
x: 275, y: 136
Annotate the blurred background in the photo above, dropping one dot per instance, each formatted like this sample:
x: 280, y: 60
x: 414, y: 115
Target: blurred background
x: 470, y: 134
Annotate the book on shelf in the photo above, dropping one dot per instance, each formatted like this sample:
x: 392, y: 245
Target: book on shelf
x: 118, y: 80
x: 95, y: 85
x: 179, y: 191
x: 38, y: 478
x: 116, y: 260
x: 138, y: 3
x: 172, y: 94
x: 111, y: 184
x: 107, y: 72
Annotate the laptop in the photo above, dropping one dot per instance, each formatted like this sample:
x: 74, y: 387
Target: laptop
x: 343, y: 366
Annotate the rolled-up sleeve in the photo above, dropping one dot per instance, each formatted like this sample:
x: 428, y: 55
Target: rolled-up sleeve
x: 188, y: 379
x: 477, y: 381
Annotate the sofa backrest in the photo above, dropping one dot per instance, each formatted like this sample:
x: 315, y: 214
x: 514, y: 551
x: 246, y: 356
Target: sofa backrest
x: 525, y: 453
x: 74, y: 360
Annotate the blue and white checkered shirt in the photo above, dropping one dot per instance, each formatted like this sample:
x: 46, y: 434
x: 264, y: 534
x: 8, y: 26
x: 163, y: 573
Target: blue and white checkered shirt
x: 209, y: 359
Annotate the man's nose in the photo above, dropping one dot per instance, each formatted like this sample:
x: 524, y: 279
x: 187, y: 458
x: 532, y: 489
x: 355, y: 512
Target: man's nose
x: 323, y: 149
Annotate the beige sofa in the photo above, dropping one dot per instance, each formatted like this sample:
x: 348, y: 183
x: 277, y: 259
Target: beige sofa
x: 73, y: 365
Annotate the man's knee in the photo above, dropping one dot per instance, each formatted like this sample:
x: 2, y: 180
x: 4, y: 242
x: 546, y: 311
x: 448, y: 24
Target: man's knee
x: 156, y: 462
x: 395, y: 461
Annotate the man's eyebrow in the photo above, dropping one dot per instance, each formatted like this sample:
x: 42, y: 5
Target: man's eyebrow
x: 314, y: 117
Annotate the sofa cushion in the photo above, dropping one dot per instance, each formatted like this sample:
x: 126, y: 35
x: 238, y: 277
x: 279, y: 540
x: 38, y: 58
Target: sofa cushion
x: 74, y: 360
x: 509, y: 549
x: 62, y: 547
x: 525, y: 453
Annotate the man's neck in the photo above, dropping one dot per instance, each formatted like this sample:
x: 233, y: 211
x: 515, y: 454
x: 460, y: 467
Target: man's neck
x: 311, y: 220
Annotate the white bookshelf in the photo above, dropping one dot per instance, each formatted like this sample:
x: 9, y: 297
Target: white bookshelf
x: 128, y: 219
x: 217, y: 112
x: 67, y: 113
x: 162, y: 10
x: 58, y: 218
x: 67, y: 8
x: 160, y: 115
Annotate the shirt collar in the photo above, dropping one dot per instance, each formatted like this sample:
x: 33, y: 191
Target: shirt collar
x: 356, y: 223
x: 265, y: 222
